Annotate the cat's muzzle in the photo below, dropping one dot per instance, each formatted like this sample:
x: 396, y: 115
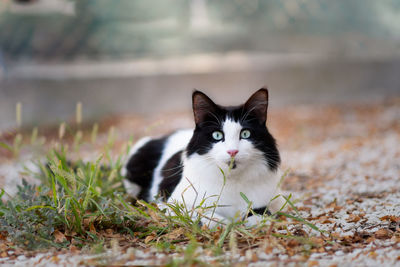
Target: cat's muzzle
x: 232, y: 164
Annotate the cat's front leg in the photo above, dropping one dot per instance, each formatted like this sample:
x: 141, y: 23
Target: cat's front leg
x: 208, y: 218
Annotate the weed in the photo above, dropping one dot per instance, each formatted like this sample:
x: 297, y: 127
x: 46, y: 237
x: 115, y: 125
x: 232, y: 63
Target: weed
x: 77, y: 202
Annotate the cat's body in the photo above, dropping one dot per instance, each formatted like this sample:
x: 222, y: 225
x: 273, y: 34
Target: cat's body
x: 228, y: 153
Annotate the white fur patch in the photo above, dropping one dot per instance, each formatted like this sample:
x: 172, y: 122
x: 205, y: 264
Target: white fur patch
x: 176, y: 142
x: 131, y: 188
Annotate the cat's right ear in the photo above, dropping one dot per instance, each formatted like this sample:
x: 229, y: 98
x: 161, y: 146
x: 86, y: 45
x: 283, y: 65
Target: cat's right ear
x: 203, y: 106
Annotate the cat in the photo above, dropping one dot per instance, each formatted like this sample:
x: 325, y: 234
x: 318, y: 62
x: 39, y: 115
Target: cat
x: 229, y: 152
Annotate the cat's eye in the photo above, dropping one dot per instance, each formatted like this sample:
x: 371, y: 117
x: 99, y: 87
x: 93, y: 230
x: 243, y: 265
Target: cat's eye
x: 244, y: 134
x: 217, y: 135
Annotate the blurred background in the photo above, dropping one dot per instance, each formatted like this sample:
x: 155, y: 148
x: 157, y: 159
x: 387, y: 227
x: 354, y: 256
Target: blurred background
x: 146, y: 56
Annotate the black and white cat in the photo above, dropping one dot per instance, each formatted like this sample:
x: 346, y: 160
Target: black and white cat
x: 230, y: 151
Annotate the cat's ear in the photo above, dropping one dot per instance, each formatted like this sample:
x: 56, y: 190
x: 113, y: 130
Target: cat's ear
x: 203, y: 106
x: 257, y: 105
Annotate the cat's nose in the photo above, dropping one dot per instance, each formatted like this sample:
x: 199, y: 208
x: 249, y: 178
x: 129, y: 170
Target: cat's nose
x: 232, y: 152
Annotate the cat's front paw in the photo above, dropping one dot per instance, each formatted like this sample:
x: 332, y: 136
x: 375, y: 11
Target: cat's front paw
x: 256, y: 220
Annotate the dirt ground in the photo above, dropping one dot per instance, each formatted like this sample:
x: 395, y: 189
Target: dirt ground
x: 344, y: 172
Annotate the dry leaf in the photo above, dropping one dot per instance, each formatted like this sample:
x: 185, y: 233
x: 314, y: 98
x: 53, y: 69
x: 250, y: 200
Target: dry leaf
x: 86, y: 222
x: 55, y: 259
x: 391, y: 218
x: 353, y: 218
x: 293, y: 243
x: 254, y: 257
x: 326, y: 221
x: 153, y: 215
x: 175, y: 233
x: 149, y: 238
x: 383, y: 233
x: 59, y: 237
x: 73, y: 249
x: 3, y: 247
x: 313, y: 263
x: 268, y: 250
x: 335, y: 235
x: 372, y: 255
x: 92, y: 229
x: 3, y: 235
x: 131, y: 254
x: 318, y: 240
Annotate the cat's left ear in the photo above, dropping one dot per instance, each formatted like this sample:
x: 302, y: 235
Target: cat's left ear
x: 203, y: 106
x: 257, y: 104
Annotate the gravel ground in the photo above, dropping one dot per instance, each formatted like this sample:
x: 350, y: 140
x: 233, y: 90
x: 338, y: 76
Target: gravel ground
x: 344, y: 166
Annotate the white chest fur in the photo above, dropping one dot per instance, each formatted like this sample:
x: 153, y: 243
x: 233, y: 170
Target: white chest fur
x: 204, y: 180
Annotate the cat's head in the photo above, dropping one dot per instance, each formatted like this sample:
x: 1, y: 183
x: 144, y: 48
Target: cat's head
x: 237, y: 132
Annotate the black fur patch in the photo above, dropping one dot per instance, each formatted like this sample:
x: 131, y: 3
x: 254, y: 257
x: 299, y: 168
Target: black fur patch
x: 172, y: 174
x: 141, y: 165
x: 260, y: 211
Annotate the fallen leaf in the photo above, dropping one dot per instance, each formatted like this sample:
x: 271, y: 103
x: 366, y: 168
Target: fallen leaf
x: 293, y: 243
x: 154, y: 215
x: 373, y: 255
x: 299, y: 232
x: 59, y: 237
x: 268, y: 250
x: 149, y: 238
x: 318, y: 241
x: 3, y: 235
x: 92, y: 229
x: 353, y: 218
x: 335, y: 235
x: 383, y: 233
x: 3, y: 247
x: 131, y: 254
x: 254, y: 257
x: 313, y: 263
x: 109, y: 231
x: 391, y: 218
x: 55, y: 259
x: 175, y: 234
x: 86, y: 222
x: 73, y: 249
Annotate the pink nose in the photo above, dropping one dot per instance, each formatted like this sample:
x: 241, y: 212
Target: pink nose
x: 232, y: 152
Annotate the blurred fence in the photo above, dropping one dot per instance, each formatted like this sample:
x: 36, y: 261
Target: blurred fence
x: 65, y: 29
x: 145, y: 56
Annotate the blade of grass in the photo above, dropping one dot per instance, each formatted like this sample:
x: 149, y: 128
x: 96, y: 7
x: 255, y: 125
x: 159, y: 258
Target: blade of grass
x: 312, y: 226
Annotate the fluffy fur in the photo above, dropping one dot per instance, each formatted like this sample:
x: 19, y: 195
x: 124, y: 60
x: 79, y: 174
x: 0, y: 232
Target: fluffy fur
x: 229, y: 152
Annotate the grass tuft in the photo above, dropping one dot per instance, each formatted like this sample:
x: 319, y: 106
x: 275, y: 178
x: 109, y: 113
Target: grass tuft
x: 83, y: 204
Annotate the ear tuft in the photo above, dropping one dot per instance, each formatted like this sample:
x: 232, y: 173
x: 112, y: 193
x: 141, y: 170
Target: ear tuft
x: 257, y: 104
x: 202, y: 106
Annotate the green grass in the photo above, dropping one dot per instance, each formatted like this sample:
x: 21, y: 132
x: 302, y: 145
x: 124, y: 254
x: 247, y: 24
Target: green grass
x: 83, y: 200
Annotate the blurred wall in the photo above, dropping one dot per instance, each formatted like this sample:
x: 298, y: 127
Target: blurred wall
x: 146, y: 56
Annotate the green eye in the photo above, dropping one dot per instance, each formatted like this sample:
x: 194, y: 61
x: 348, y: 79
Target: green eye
x: 217, y: 135
x: 244, y: 134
